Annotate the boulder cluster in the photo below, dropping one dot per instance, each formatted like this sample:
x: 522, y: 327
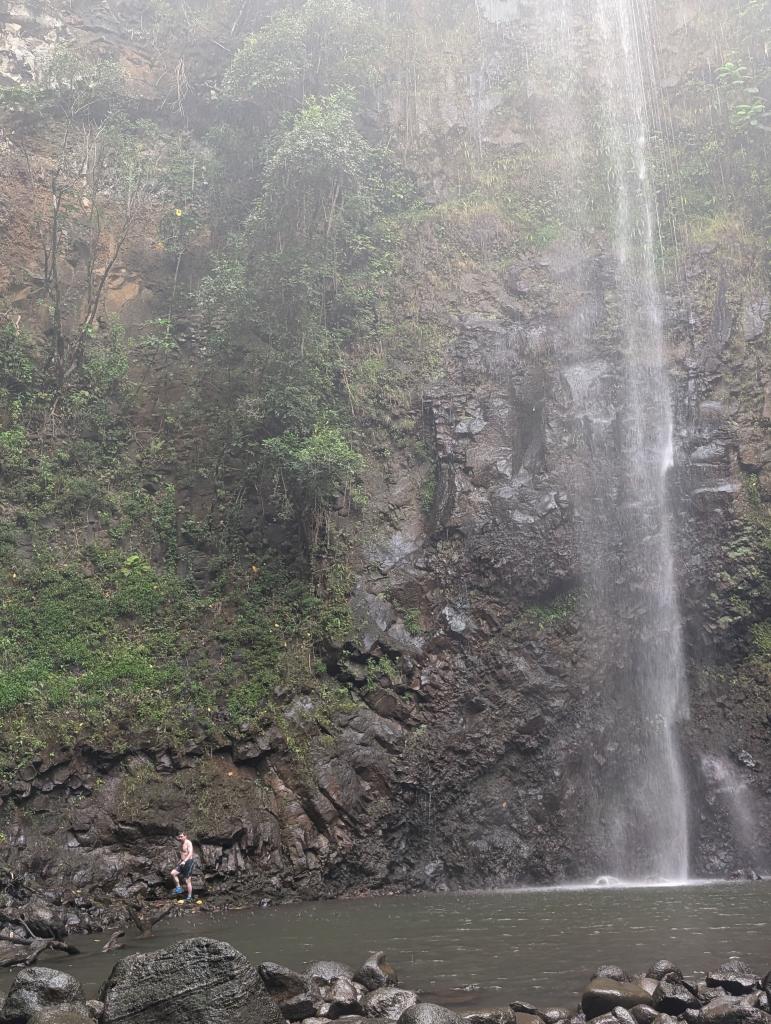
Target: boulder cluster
x: 202, y: 981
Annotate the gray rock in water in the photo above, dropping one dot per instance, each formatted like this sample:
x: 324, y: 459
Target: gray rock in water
x: 527, y: 1018
x: 343, y: 998
x: 613, y: 972
x: 520, y: 1006
x: 693, y: 1016
x: 503, y: 1016
x: 324, y: 972
x: 554, y: 1014
x: 731, y: 1010
x: 388, y: 1002
x: 38, y: 988
x: 643, y: 1014
x: 428, y: 1013
x: 674, y: 997
x: 603, y: 995
x: 95, y: 1007
x: 662, y: 968
x: 766, y: 984
x: 376, y: 973
x: 280, y: 981
x: 734, y: 977
x: 198, y: 981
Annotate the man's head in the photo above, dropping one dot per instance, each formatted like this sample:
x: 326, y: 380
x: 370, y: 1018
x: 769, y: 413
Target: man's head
x: 181, y: 837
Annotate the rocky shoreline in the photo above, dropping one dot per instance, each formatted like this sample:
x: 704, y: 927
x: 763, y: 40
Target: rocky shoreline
x: 204, y: 981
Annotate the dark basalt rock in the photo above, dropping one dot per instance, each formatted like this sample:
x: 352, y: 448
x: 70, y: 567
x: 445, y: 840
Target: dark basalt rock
x: 376, y: 973
x: 734, y: 977
x: 613, y: 972
x: 643, y: 1014
x: 343, y: 999
x: 40, y: 988
x: 674, y: 997
x: 503, y: 1016
x: 623, y: 1016
x: 307, y: 1004
x: 730, y: 1010
x: 662, y: 968
x: 280, y: 981
x: 766, y: 984
x: 429, y: 1013
x: 388, y: 1002
x: 605, y: 1018
x: 198, y: 981
x: 602, y: 995
x: 519, y: 1006
x: 324, y: 972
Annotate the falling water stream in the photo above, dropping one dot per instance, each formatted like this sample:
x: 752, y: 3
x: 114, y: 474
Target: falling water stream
x: 648, y: 804
x: 597, y: 62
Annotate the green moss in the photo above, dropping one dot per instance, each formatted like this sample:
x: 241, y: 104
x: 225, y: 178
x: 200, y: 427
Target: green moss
x: 561, y: 609
x: 761, y: 638
x: 413, y: 621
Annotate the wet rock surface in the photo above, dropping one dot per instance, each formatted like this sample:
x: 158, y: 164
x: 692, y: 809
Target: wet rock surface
x: 203, y: 982
x: 198, y: 981
x: 41, y: 989
x: 604, y: 994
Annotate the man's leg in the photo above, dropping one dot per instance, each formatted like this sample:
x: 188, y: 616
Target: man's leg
x: 189, y: 884
x: 175, y: 876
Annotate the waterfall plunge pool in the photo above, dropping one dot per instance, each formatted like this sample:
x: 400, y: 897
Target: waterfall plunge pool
x: 483, y: 949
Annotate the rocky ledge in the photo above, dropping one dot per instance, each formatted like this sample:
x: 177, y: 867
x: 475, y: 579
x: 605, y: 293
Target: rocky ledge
x: 203, y: 981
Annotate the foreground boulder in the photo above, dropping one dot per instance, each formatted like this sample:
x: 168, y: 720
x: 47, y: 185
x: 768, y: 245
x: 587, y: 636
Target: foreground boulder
x: 732, y: 1010
x: 734, y: 977
x: 674, y: 997
x: 198, y: 981
x: 603, y: 995
x: 376, y: 973
x: 39, y: 988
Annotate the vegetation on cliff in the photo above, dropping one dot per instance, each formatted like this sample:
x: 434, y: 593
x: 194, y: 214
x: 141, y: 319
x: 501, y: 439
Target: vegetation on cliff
x: 178, y: 487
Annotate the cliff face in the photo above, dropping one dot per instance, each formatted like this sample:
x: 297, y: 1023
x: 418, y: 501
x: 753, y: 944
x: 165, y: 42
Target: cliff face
x: 447, y: 727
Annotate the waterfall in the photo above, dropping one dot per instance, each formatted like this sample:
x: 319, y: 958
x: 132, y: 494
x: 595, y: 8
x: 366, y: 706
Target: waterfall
x: 598, y: 62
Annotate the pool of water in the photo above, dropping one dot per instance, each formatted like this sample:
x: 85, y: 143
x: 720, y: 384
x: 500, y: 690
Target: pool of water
x: 483, y: 949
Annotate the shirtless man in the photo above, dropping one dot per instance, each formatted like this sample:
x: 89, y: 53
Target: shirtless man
x: 184, y: 870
